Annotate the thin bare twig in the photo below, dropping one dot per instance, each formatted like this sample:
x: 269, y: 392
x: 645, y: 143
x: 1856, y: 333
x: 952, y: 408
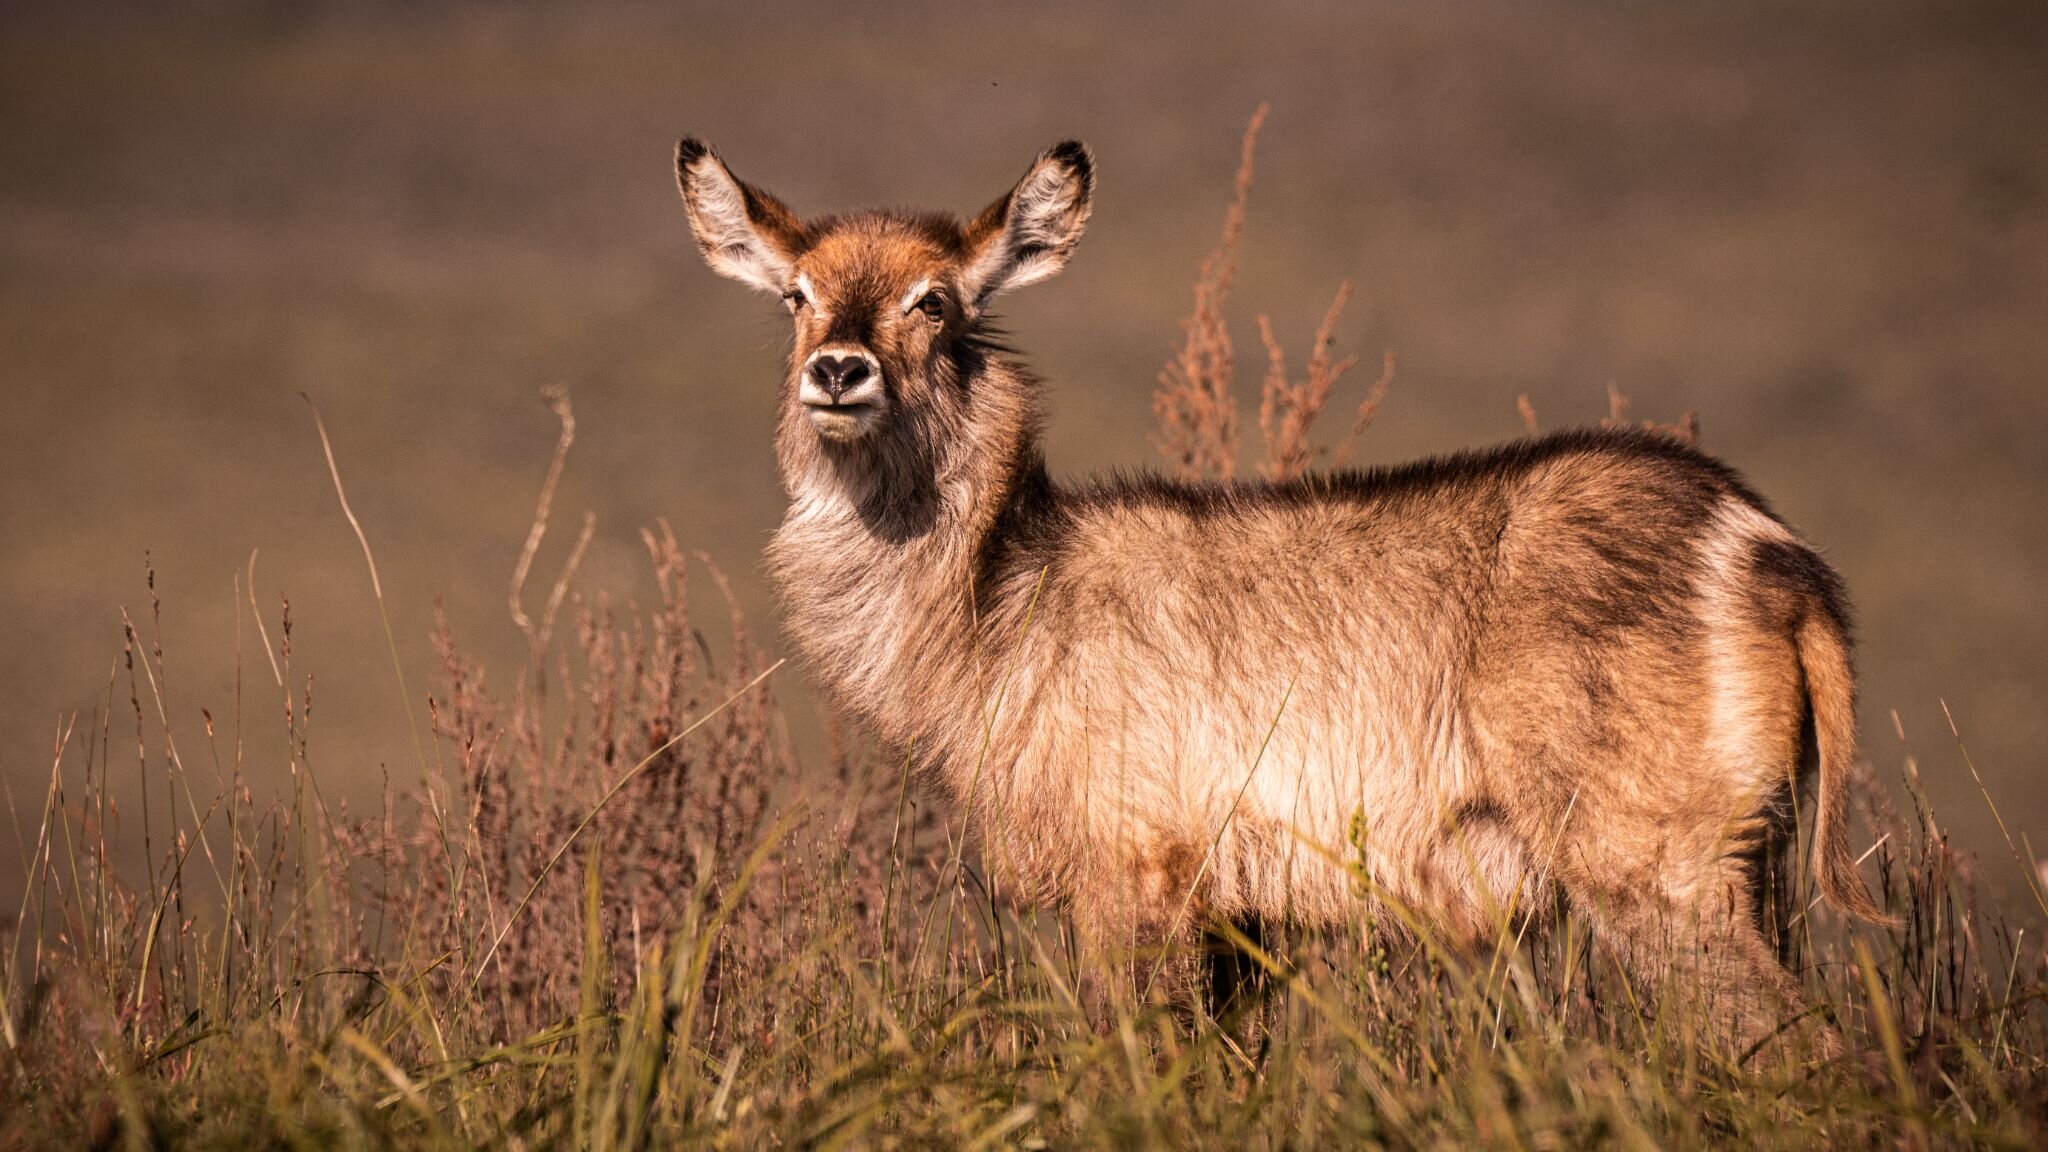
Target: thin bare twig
x: 268, y: 652
x: 556, y: 397
x: 1369, y: 407
x: 383, y: 614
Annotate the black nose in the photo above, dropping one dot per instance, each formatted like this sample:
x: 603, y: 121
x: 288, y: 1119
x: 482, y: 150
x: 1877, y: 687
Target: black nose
x: 839, y: 374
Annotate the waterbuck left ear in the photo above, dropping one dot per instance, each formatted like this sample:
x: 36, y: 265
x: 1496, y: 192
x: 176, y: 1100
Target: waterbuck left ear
x: 745, y: 233
x: 1028, y: 234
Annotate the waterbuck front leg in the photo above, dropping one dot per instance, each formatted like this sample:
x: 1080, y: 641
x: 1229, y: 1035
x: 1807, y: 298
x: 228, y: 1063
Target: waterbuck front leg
x: 1237, y: 983
x: 1140, y: 919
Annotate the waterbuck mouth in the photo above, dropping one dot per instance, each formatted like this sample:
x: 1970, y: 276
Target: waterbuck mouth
x: 845, y: 419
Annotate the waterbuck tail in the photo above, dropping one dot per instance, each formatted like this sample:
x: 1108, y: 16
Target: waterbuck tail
x: 1831, y: 693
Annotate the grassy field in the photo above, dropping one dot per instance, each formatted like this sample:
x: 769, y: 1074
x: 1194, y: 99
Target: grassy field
x: 606, y: 912
x: 602, y: 907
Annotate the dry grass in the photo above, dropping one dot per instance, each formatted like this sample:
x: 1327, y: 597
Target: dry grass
x: 1686, y: 429
x: 614, y: 912
x: 1195, y: 404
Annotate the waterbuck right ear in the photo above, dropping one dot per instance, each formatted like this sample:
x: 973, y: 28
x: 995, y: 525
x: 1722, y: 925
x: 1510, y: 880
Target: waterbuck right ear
x: 1028, y: 234
x: 745, y: 233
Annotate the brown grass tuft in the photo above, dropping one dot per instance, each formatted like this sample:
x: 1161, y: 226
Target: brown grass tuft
x: 1287, y: 409
x: 1196, y: 413
x: 1686, y: 430
x: 1195, y: 406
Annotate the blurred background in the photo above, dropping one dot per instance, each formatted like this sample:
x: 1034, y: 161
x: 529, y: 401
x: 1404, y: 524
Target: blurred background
x: 1824, y: 227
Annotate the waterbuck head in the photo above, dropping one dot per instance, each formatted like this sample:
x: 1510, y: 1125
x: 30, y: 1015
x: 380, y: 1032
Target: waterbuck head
x: 889, y: 307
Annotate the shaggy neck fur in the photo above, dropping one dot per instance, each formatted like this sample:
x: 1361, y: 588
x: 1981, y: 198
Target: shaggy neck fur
x: 888, y: 545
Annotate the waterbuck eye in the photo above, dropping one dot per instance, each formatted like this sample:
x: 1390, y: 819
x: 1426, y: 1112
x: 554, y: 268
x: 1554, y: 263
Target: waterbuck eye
x: 933, y: 306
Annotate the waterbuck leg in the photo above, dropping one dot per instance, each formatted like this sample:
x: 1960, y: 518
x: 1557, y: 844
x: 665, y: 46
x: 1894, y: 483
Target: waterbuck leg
x: 1237, y: 983
x: 1690, y: 935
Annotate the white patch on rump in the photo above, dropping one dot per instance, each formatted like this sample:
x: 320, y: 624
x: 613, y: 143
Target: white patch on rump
x: 1739, y: 705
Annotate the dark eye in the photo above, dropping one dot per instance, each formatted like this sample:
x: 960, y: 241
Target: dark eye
x: 795, y: 298
x: 933, y: 306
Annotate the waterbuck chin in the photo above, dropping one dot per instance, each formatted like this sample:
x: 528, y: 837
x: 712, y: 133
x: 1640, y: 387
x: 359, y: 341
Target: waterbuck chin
x: 1591, y: 666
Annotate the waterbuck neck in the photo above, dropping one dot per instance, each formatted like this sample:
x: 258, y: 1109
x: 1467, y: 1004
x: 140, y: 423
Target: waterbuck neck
x: 885, y: 555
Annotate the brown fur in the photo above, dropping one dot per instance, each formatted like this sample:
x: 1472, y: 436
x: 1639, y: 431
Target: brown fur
x: 1581, y: 661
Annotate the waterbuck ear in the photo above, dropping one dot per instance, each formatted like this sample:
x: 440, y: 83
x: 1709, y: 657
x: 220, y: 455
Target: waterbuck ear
x: 744, y: 232
x: 1028, y: 234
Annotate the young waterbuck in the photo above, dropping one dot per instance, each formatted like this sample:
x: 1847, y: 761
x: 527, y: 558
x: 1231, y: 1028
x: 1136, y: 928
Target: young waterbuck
x: 1591, y: 665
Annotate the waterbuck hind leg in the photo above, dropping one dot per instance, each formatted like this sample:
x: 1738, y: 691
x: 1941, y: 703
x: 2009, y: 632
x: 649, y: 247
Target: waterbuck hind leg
x: 1689, y: 937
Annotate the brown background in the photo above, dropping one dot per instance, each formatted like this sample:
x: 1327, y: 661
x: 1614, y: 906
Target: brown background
x: 1824, y: 227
